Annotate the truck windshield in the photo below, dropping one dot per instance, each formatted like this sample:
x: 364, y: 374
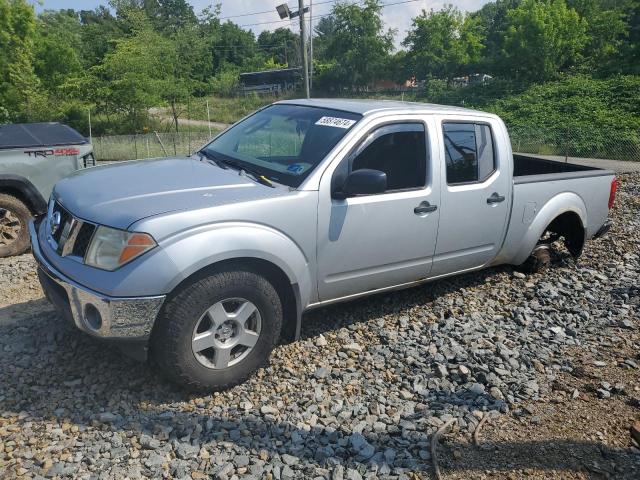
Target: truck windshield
x: 283, y: 142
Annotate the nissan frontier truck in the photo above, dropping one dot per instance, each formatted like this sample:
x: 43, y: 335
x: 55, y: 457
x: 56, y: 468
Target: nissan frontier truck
x: 203, y: 264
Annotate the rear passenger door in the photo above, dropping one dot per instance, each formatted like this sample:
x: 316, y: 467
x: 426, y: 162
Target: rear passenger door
x: 476, y: 190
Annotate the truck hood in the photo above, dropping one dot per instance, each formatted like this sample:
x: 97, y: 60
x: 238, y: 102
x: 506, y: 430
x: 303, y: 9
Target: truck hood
x: 118, y: 195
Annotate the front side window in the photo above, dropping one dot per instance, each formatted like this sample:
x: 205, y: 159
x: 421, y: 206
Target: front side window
x: 398, y: 150
x: 283, y: 142
x: 469, y: 152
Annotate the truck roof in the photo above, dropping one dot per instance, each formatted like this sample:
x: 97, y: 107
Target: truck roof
x: 365, y: 107
x: 26, y: 135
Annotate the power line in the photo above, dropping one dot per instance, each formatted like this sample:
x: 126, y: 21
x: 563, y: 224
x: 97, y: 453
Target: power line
x: 267, y: 23
x: 232, y: 47
x: 269, y: 11
x: 315, y: 17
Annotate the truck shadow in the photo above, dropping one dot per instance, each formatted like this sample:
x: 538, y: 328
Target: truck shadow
x: 363, y: 310
x: 55, y: 374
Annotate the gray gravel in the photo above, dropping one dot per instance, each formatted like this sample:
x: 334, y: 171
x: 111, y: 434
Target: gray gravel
x: 358, y: 397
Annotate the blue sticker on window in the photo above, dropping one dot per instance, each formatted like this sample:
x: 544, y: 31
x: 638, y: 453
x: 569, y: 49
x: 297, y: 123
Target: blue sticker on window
x: 295, y: 168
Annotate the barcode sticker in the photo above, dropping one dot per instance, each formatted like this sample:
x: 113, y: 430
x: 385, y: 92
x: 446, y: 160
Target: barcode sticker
x: 335, y: 122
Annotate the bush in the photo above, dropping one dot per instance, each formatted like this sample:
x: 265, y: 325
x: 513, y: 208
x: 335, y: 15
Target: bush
x: 226, y: 82
x: 578, y: 116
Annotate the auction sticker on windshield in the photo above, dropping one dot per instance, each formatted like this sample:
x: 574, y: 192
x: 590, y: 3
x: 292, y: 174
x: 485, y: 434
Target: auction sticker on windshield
x: 335, y: 122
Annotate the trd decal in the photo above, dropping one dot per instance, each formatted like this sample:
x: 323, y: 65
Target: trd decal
x: 51, y: 151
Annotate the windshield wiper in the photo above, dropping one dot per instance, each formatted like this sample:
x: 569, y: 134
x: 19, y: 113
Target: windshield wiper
x: 213, y: 159
x: 257, y: 176
x: 224, y: 163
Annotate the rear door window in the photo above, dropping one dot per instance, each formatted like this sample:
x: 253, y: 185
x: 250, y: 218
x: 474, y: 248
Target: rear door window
x: 469, y: 152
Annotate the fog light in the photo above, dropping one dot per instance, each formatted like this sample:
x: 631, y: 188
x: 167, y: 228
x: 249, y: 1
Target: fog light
x: 92, y: 317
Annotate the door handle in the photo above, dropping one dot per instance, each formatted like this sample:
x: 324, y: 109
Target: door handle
x: 424, y: 207
x: 495, y: 198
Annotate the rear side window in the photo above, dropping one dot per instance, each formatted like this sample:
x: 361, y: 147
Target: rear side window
x: 469, y: 152
x: 400, y: 151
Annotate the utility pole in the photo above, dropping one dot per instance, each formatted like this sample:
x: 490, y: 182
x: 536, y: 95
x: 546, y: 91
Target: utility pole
x: 284, y: 12
x: 303, y: 46
x: 90, y: 136
x: 310, y: 44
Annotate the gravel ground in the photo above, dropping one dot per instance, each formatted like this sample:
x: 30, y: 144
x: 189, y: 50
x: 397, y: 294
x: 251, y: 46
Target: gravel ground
x: 554, y: 358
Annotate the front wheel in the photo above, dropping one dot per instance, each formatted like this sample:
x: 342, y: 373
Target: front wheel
x: 217, y: 331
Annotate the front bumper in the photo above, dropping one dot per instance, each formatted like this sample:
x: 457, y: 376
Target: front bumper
x: 125, y: 318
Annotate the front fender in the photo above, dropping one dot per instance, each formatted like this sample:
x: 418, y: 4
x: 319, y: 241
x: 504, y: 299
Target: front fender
x: 193, y: 250
x: 555, y: 206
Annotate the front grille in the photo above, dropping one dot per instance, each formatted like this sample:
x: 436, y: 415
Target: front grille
x: 65, y: 218
x: 83, y: 239
x: 72, y: 236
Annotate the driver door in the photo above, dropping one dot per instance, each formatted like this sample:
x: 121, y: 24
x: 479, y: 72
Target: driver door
x: 370, y: 242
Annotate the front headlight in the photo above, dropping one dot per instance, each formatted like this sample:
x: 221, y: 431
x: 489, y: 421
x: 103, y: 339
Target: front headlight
x: 111, y: 248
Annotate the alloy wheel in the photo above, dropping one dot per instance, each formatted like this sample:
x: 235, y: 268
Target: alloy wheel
x: 10, y: 227
x: 226, y: 333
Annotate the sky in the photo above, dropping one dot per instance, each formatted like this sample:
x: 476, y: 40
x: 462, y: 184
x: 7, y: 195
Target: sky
x: 396, y: 16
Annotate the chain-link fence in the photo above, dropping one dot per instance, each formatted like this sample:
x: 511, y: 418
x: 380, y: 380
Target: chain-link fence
x: 571, y: 142
x: 614, y: 144
x: 148, y: 145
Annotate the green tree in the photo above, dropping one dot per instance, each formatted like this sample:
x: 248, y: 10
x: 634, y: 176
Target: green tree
x: 186, y: 68
x: 358, y: 47
x: 443, y: 43
x: 227, y: 43
x: 629, y: 57
x: 99, y: 31
x: 170, y: 15
x: 58, y: 47
x: 607, y: 31
x: 164, y: 15
x: 20, y: 95
x: 132, y: 77
x: 282, y: 46
x: 233, y: 45
x: 543, y: 39
x: 491, y: 21
x: 323, y: 31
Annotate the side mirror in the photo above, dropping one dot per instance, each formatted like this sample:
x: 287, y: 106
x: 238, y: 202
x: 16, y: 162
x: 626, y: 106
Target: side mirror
x: 363, y: 182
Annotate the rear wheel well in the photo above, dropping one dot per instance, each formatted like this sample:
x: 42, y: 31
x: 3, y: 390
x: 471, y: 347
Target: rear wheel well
x: 569, y: 226
x: 268, y: 270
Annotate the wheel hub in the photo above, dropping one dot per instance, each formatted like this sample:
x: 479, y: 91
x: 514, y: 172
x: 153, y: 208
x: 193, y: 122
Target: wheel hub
x: 10, y: 227
x: 226, y: 331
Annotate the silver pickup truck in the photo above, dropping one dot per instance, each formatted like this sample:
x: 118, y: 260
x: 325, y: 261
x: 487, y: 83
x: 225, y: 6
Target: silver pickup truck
x: 205, y: 263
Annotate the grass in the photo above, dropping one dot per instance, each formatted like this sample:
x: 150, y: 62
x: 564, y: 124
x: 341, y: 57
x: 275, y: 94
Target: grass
x: 132, y: 147
x: 228, y: 110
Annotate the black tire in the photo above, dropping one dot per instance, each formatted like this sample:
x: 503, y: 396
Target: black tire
x: 170, y: 345
x: 538, y: 261
x: 14, y: 226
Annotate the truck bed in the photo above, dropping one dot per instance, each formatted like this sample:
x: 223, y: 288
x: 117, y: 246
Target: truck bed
x: 528, y: 169
x: 541, y: 189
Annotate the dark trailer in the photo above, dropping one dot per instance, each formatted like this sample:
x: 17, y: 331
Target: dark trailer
x: 270, y: 81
